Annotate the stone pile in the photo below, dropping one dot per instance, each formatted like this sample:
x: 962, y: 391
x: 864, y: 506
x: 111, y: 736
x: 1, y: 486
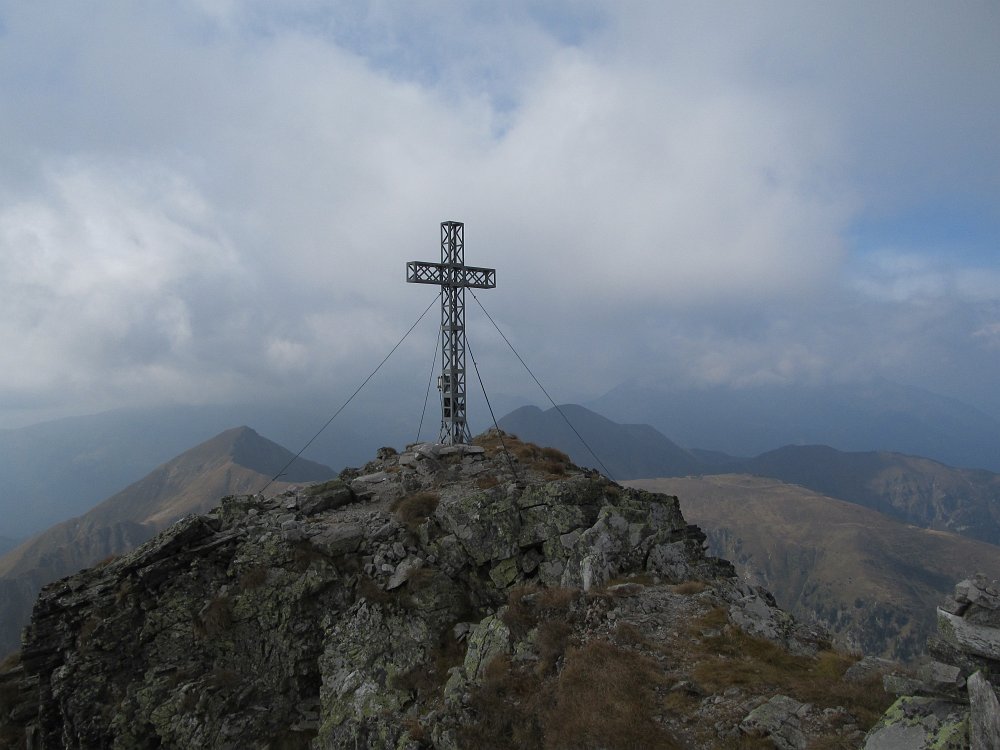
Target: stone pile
x: 950, y: 699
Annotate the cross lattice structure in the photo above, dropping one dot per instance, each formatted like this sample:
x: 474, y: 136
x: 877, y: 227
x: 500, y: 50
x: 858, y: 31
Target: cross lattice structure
x: 454, y: 277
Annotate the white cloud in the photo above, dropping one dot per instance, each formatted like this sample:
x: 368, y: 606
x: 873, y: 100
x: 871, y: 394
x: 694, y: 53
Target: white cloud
x: 218, y: 197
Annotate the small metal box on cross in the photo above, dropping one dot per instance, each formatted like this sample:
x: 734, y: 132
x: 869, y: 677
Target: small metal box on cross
x: 453, y: 276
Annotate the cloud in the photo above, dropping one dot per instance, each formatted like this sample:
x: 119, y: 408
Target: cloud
x: 99, y: 273
x: 215, y: 200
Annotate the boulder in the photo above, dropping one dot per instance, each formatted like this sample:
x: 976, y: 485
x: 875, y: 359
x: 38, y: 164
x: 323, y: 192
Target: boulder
x: 778, y: 719
x: 984, y: 719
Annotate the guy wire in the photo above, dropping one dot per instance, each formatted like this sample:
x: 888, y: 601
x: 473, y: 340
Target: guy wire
x: 344, y: 406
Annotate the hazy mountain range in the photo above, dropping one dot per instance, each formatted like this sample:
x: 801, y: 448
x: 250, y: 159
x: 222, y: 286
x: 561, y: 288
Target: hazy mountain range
x: 873, y: 581
x: 56, y: 470
x: 237, y: 461
x: 874, y: 416
x: 59, y: 469
x: 911, y: 489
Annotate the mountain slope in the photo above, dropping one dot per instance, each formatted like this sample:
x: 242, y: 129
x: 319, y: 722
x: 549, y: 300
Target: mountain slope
x: 627, y: 450
x: 236, y: 461
x: 872, y: 416
x: 60, y: 469
x: 874, y: 581
x: 7, y: 544
x: 912, y: 489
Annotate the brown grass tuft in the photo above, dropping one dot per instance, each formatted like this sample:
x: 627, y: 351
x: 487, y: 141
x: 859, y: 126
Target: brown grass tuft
x: 368, y: 589
x: 253, y: 578
x: 735, y: 658
x: 688, y: 588
x: 521, y: 615
x: 509, y: 707
x: 555, y: 455
x: 87, y: 629
x: 217, y: 616
x: 606, y: 698
x: 413, y: 510
x: 426, y: 680
x: 10, y: 661
x: 105, y: 562
x: 552, y: 640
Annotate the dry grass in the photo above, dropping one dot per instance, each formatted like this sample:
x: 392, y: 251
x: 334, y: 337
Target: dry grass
x: 415, y: 730
x: 369, y: 590
x: 528, y: 604
x: 552, y: 640
x: 253, y: 578
x: 643, y: 579
x: 596, y: 695
x: 413, y: 510
x: 10, y: 661
x: 222, y: 678
x: 105, y: 562
x: 426, y: 680
x: 627, y: 634
x: 549, y: 461
x: 87, y: 629
x: 305, y: 554
x: 736, y: 659
x: 606, y: 698
x: 509, y: 705
x: 687, y: 588
x: 520, y: 615
x: 217, y: 617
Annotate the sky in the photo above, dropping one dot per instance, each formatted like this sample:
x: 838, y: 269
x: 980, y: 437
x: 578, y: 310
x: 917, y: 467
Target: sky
x: 213, y: 201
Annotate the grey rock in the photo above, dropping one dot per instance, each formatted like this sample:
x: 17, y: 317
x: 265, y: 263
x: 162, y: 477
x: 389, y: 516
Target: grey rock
x: 940, y: 678
x: 984, y: 721
x: 326, y: 496
x: 980, y: 640
x: 403, y: 572
x: 339, y: 539
x: 779, y: 720
x: 868, y: 667
x: 919, y: 723
x: 489, y: 639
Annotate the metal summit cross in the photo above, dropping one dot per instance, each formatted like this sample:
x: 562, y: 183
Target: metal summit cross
x: 453, y: 276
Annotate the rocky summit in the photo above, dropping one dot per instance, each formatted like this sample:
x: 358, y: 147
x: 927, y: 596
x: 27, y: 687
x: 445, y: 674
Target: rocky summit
x: 484, y: 596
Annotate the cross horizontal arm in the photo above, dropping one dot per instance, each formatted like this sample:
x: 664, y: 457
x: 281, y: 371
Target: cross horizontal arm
x: 443, y: 274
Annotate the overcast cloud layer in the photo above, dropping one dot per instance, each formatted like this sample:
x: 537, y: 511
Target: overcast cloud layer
x: 214, y: 201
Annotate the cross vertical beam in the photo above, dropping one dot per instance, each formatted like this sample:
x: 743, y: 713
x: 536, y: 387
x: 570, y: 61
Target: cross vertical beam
x: 454, y: 277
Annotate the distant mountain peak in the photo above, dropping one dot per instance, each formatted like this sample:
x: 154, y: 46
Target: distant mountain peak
x: 236, y: 461
x: 625, y: 450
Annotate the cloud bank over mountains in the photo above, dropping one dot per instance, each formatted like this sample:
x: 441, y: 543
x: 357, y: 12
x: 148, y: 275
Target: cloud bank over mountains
x: 214, y: 201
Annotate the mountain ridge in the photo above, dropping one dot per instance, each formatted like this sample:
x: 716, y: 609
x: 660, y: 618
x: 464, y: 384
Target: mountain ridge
x: 192, y: 482
x: 624, y: 450
x: 914, y: 489
x: 876, y: 415
x: 873, y: 581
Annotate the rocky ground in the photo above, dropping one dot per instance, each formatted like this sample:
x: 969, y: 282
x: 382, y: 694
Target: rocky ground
x: 452, y: 597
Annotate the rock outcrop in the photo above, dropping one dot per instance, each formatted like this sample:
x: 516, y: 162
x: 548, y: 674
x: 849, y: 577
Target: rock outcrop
x: 444, y: 597
x: 951, y: 701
